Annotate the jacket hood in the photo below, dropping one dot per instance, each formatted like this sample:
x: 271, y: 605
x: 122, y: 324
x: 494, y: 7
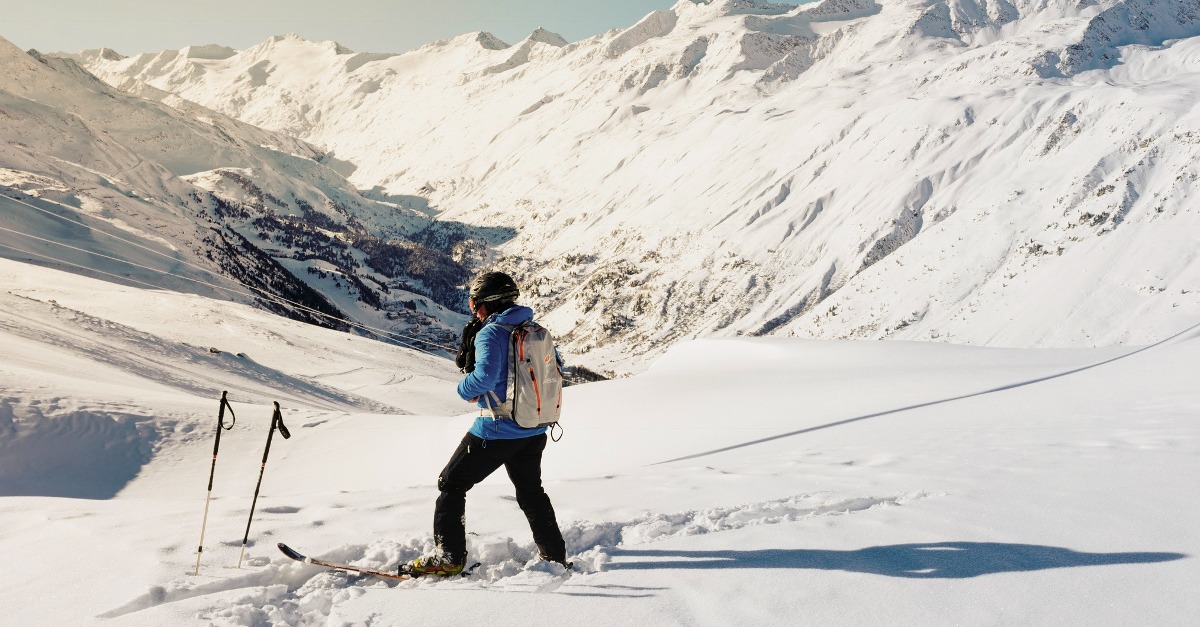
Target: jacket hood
x: 513, y: 315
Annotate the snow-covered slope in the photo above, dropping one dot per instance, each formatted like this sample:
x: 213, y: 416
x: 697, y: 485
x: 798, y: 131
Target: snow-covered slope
x: 991, y: 171
x: 737, y: 481
x: 980, y: 171
x: 162, y: 191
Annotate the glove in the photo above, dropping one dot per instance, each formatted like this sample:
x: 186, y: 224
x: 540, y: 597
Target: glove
x: 466, y: 348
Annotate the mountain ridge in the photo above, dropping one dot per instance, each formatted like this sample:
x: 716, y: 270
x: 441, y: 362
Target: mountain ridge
x: 758, y: 168
x: 146, y: 187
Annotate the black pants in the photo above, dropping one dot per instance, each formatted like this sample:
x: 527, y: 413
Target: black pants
x: 471, y: 463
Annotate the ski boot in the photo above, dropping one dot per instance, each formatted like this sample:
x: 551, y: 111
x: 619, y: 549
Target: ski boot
x: 434, y: 565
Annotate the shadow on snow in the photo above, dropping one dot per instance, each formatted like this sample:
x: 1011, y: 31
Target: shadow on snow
x: 940, y: 560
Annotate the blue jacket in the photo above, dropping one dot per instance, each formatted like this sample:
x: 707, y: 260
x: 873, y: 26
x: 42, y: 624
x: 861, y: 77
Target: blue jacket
x: 492, y: 347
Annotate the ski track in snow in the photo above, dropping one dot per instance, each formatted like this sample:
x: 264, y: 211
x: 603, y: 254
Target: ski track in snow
x: 285, y: 592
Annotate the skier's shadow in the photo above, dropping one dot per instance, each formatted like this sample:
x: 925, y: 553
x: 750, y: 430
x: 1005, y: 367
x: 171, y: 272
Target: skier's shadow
x: 939, y: 560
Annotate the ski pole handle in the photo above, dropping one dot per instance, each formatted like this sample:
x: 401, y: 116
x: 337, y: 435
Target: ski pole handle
x: 279, y: 423
x: 221, y: 427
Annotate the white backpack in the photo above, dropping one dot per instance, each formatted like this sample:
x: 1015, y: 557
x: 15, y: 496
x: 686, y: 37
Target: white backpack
x: 535, y: 379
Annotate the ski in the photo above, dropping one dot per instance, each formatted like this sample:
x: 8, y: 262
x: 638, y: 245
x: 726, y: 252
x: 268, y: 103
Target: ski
x: 300, y: 557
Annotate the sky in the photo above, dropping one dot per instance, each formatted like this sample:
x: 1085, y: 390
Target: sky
x: 133, y: 26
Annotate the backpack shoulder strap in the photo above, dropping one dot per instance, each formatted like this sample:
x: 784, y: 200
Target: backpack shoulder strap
x: 495, y: 407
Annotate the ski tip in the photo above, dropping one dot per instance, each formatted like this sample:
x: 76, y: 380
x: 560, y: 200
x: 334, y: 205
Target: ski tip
x: 290, y: 552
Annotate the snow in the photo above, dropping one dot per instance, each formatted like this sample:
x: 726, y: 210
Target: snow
x: 93, y: 173
x: 930, y: 170
x: 728, y: 199
x: 736, y: 481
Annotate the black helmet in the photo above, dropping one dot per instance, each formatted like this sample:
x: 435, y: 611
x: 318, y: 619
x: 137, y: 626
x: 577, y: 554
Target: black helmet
x: 493, y: 287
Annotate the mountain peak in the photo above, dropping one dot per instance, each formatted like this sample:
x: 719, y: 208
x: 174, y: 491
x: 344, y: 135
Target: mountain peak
x: 736, y: 7
x: 108, y: 54
x: 490, y: 41
x: 482, y: 39
x: 292, y: 39
x: 17, y: 65
x: 799, y: 90
x: 212, y: 52
x: 547, y: 37
x: 93, y: 54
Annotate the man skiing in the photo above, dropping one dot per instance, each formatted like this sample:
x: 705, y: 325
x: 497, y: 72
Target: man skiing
x: 492, y: 441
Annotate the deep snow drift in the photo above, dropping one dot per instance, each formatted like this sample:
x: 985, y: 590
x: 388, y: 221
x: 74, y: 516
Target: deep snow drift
x: 737, y: 481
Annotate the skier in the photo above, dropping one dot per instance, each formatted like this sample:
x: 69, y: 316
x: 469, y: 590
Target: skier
x: 491, y: 441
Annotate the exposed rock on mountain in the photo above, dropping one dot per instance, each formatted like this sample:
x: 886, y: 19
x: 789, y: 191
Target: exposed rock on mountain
x: 988, y: 171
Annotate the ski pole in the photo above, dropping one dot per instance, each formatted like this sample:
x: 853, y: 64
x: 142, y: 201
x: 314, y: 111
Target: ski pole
x: 276, y: 423
x: 213, y: 471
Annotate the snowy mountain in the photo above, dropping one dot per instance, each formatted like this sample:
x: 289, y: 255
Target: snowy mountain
x: 983, y: 171
x: 156, y: 190
x: 915, y: 483
x: 990, y: 172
